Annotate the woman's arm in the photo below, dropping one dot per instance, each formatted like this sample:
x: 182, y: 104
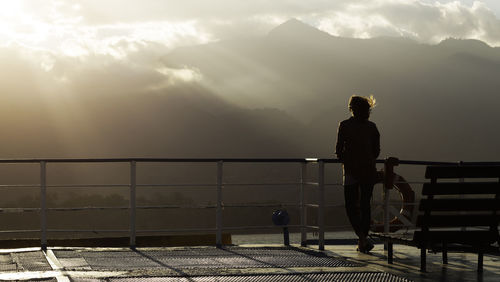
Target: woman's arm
x: 376, y: 143
x: 339, y: 147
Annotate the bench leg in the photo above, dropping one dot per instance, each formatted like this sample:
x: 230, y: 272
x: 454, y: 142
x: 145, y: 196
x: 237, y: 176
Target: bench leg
x: 480, y: 261
x: 445, y: 253
x: 423, y: 259
x: 389, y: 252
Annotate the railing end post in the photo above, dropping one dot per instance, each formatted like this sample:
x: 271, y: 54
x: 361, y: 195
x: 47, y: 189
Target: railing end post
x: 132, y: 219
x: 43, y: 204
x: 218, y: 212
x: 321, y: 205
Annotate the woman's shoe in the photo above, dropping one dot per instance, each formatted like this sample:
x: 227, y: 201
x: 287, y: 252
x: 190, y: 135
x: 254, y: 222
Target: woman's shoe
x: 366, y: 248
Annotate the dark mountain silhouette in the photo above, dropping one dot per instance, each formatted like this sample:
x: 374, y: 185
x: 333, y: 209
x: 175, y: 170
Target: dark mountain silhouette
x: 186, y: 121
x: 435, y: 101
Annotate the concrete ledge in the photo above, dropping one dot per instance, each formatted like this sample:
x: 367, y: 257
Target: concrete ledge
x: 141, y: 241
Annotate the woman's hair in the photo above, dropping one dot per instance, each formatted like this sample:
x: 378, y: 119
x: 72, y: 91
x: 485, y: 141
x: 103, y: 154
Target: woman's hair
x: 361, y: 106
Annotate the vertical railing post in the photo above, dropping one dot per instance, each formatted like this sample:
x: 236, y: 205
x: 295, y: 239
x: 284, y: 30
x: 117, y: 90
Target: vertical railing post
x: 133, y: 184
x: 218, y: 213
x: 321, y: 205
x: 43, y: 204
x: 388, y: 183
x: 303, y: 215
x: 461, y: 180
x: 386, y: 195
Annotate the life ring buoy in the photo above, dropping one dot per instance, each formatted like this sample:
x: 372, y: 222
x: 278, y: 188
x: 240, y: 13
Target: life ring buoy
x: 408, y: 199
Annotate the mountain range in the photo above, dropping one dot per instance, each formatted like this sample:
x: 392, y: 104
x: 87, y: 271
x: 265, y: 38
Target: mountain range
x: 278, y: 95
x: 437, y: 102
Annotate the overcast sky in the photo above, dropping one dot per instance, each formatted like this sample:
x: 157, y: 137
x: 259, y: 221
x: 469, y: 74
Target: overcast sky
x: 70, y: 43
x: 79, y: 27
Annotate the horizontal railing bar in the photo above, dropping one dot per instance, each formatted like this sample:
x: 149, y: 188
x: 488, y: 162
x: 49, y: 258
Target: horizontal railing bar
x: 176, y: 207
x: 327, y: 206
x: 260, y: 184
x: 87, y: 208
x: 182, y: 185
x: 260, y: 205
x: 311, y: 227
x: 214, y: 206
x: 339, y: 227
x: 18, y: 210
x: 20, y: 186
x: 88, y: 230
x: 175, y: 185
x: 214, y: 185
x: 412, y: 162
x: 258, y: 227
x: 86, y: 185
x: 236, y: 160
x: 177, y: 230
x: 20, y: 231
x: 152, y: 160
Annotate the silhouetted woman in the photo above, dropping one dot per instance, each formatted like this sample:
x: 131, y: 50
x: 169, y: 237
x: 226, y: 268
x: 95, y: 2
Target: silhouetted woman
x: 358, y: 146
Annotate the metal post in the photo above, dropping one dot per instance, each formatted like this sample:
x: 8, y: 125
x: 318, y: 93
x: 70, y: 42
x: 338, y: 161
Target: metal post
x: 461, y: 180
x: 389, y: 165
x: 321, y: 205
x: 133, y: 185
x: 386, y: 195
x: 43, y: 204
x: 218, y: 215
x: 303, y: 218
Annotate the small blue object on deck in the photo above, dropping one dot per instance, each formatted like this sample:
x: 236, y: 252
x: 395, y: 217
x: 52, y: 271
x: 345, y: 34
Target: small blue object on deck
x: 281, y: 218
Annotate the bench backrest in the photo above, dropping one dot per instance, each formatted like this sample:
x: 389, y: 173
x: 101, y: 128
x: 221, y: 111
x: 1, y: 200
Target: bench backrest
x: 460, y: 196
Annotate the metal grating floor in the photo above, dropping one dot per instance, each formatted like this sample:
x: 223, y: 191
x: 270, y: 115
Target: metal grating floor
x: 31, y: 261
x: 310, y: 277
x: 227, y: 258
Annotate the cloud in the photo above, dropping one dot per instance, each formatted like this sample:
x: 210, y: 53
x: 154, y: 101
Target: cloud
x: 72, y: 47
x: 90, y: 27
x: 427, y: 23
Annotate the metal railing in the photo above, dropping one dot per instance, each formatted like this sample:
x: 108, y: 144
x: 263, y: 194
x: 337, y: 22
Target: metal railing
x: 218, y: 229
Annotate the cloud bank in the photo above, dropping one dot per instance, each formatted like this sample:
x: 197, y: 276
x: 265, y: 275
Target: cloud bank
x: 81, y: 41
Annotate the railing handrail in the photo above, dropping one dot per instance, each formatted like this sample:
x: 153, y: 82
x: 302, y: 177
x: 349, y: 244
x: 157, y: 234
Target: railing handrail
x: 229, y: 160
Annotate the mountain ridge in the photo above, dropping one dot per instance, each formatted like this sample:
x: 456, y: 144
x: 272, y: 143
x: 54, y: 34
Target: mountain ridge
x: 312, y: 81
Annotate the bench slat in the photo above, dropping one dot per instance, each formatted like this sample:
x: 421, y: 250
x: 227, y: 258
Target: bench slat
x: 465, y: 171
x: 459, y: 205
x: 463, y: 237
x: 458, y: 220
x: 458, y: 188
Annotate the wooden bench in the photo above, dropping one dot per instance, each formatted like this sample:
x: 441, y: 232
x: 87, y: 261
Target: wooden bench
x: 458, y: 214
